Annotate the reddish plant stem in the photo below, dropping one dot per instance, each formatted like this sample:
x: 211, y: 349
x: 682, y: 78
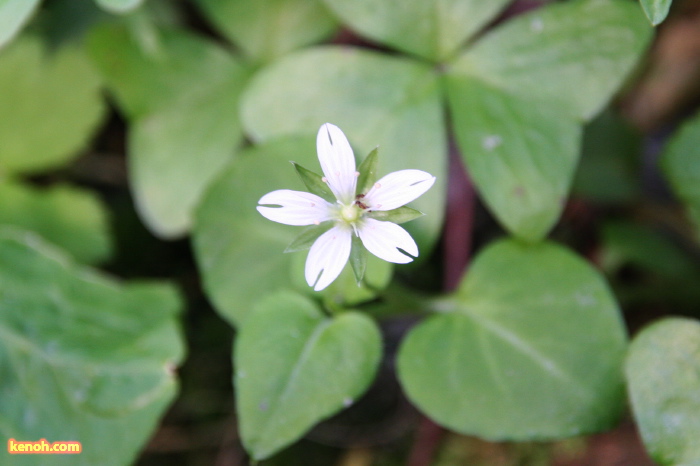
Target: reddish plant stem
x: 457, y: 243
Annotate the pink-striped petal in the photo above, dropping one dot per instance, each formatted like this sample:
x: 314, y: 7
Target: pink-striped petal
x: 295, y: 207
x: 337, y: 162
x: 328, y: 256
x: 383, y: 238
x: 398, y: 189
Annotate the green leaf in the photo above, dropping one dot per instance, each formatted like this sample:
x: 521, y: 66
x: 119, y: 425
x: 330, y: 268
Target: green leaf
x: 571, y: 55
x: 521, y: 156
x: 663, y: 379
x: 119, y: 6
x: 266, y: 29
x: 375, y: 99
x: 241, y: 253
x: 368, y: 172
x: 679, y: 163
x: 51, y: 105
x: 656, y: 10
x: 307, y: 237
x: 399, y: 215
x: 295, y: 367
x: 314, y: 183
x: 13, y: 16
x: 185, y: 130
x: 429, y: 29
x: 358, y: 259
x: 530, y: 347
x: 148, y: 69
x: 71, y: 218
x: 82, y: 357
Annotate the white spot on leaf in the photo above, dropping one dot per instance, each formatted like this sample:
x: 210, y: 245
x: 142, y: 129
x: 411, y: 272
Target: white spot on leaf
x: 491, y: 142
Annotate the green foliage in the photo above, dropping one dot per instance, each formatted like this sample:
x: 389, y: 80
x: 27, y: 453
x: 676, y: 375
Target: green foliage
x: 656, y: 10
x: 81, y: 356
x: 294, y: 367
x: 181, y: 94
x: 663, y: 377
x: 119, y: 6
x: 51, y: 105
x: 530, y: 347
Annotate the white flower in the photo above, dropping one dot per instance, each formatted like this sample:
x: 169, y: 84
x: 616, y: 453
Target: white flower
x: 352, y: 212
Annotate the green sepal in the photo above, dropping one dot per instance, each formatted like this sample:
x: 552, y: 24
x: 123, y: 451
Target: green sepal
x: 368, y: 172
x: 314, y: 183
x: 358, y: 259
x: 399, y: 215
x: 308, y: 237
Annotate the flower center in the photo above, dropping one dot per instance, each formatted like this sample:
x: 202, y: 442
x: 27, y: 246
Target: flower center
x: 350, y: 213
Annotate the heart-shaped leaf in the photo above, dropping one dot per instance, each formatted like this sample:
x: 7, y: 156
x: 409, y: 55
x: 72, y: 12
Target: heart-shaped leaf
x: 13, y: 15
x: 530, y: 347
x: 374, y: 99
x: 429, y: 29
x: 82, y: 358
x: 50, y: 104
x: 295, y: 367
x: 663, y: 377
x: 69, y: 217
x: 266, y: 29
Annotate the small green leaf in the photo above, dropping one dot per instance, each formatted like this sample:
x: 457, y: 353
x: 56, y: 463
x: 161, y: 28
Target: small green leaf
x: 679, y: 163
x: 530, y: 347
x: 84, y: 357
x: 399, y: 215
x: 13, y: 15
x: 119, y: 6
x: 51, y: 105
x: 663, y: 379
x: 266, y: 29
x: 368, y: 172
x: 69, y: 217
x: 307, y: 237
x: 656, y: 10
x: 295, y: 367
x: 358, y: 259
x: 314, y: 183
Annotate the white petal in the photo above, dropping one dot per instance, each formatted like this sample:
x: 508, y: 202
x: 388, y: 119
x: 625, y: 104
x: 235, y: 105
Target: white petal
x: 397, y: 189
x: 297, y: 207
x: 337, y: 162
x: 329, y: 253
x: 382, y: 239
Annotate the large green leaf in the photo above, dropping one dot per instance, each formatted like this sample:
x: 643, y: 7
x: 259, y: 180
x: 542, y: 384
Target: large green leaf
x: 295, y: 367
x: 119, y: 6
x: 239, y: 252
x: 50, y: 104
x: 530, y: 347
x: 572, y: 55
x: 521, y: 155
x: 656, y: 10
x: 13, y: 15
x: 663, y: 376
x: 433, y: 29
x: 182, y: 94
x: 266, y: 29
x: 376, y: 100
x: 82, y: 357
x: 681, y: 165
x: 69, y: 217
